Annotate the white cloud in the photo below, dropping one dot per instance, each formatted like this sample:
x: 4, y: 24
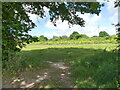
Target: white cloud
x: 114, y: 18
x: 109, y: 30
x: 90, y: 31
x: 48, y: 35
x: 60, y: 25
x: 63, y: 27
x: 113, y: 12
x: 35, y: 18
x: 110, y: 7
x: 84, y: 16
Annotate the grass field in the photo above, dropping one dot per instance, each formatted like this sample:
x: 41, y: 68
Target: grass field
x: 91, y: 65
x: 79, y: 41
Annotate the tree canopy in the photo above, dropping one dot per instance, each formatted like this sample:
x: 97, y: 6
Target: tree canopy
x: 103, y: 34
x: 64, y: 37
x: 16, y: 22
x: 55, y: 38
x: 35, y: 38
x: 76, y: 35
x: 43, y: 38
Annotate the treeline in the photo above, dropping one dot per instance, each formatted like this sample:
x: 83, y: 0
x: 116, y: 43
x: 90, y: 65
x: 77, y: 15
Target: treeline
x: 76, y: 38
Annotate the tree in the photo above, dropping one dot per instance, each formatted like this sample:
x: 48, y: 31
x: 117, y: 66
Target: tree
x: 43, y: 38
x: 55, y: 38
x: 103, y: 34
x: 83, y: 36
x: 75, y: 35
x: 117, y: 5
x: 94, y: 36
x: 35, y: 39
x: 64, y: 37
x: 16, y: 24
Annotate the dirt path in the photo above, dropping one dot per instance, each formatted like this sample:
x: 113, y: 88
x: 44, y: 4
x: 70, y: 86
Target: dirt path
x: 55, y: 76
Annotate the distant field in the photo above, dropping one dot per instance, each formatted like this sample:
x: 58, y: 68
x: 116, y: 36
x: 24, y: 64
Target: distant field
x: 79, y: 41
x: 92, y: 46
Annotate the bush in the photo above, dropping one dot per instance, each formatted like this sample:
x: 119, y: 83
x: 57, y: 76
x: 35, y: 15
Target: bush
x: 103, y: 34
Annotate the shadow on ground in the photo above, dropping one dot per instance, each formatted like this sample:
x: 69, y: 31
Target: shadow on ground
x: 60, y: 54
x: 50, y: 67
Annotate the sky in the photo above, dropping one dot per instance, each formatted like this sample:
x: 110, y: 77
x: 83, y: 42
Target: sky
x: 93, y: 23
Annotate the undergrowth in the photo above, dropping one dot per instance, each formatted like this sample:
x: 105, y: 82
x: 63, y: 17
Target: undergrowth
x: 22, y: 62
x: 99, y: 70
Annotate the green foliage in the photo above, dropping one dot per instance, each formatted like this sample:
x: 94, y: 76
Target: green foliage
x: 35, y: 39
x: 83, y: 36
x: 43, y: 38
x: 99, y: 70
x: 64, y: 37
x: 74, y: 35
x: 21, y: 62
x: 15, y: 27
x: 55, y: 38
x: 87, y: 40
x: 103, y: 34
x: 117, y: 3
x: 118, y: 35
x: 94, y: 36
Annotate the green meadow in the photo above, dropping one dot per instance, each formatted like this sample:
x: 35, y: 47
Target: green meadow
x: 90, y: 65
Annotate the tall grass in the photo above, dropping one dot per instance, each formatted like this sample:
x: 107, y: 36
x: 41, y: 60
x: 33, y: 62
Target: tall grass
x: 22, y: 62
x: 99, y: 70
x: 92, y: 65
